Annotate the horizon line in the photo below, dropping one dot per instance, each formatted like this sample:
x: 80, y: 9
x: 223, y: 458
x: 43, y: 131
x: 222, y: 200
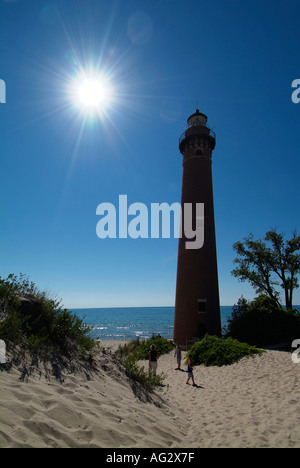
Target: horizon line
x: 146, y: 306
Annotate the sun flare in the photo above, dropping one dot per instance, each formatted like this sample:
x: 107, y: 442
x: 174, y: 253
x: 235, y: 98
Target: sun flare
x: 92, y: 93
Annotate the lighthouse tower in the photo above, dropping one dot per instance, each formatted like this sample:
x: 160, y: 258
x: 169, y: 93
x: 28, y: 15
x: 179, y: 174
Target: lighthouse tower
x: 197, y: 305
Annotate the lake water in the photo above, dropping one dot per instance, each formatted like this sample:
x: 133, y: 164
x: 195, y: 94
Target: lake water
x: 127, y: 323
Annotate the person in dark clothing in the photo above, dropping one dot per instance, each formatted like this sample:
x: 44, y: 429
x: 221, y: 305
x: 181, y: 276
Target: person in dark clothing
x: 153, y: 357
x: 177, y: 354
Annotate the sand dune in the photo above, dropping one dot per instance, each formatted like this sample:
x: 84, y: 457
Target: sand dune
x: 254, y: 403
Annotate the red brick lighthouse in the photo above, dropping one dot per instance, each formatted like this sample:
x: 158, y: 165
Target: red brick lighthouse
x: 197, y: 305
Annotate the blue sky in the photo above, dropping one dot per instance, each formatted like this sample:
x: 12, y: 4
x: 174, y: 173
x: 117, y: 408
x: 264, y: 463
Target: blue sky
x: 234, y: 60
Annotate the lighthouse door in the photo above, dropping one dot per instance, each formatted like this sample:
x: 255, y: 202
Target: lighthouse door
x: 202, y: 330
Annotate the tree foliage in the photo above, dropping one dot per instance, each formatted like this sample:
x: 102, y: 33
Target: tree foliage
x: 261, y: 322
x: 268, y: 264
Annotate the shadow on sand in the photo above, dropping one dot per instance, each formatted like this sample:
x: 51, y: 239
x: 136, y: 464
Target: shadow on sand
x: 185, y: 371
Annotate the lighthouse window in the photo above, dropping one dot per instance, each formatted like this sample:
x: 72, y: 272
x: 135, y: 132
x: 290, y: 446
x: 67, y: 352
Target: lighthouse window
x: 202, y: 306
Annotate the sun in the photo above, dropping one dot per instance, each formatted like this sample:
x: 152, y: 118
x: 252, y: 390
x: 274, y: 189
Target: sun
x: 92, y: 93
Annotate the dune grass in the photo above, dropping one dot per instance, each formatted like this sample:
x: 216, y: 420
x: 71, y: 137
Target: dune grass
x: 137, y: 350
x: 30, y: 318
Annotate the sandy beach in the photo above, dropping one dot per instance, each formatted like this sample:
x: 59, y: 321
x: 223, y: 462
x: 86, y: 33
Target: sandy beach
x: 253, y: 403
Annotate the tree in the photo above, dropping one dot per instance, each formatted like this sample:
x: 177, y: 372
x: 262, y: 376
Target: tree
x: 261, y: 322
x: 269, y: 263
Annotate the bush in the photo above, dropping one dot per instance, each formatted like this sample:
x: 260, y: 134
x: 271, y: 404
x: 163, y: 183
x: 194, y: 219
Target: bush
x: 29, y: 317
x: 214, y: 351
x: 140, y: 375
x: 162, y: 346
x: 262, y: 323
x: 140, y: 349
x: 128, y: 349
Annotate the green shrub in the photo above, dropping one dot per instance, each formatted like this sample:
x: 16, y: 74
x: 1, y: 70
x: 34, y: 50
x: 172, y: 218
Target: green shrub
x: 214, y: 351
x: 262, y: 323
x: 162, y: 346
x: 29, y: 317
x: 137, y: 350
x: 128, y: 349
x: 140, y: 349
x: 140, y: 375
